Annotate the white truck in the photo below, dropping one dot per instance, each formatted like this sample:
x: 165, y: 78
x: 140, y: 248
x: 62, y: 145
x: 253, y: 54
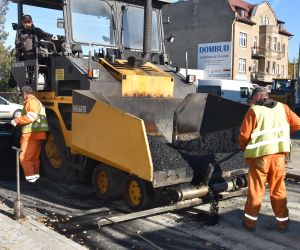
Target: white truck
x: 235, y: 90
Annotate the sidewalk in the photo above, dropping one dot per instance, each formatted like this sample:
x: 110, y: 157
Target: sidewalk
x: 293, y: 167
x: 30, y: 234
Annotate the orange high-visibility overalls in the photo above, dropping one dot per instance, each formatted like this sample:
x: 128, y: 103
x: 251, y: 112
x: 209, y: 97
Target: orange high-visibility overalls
x: 30, y: 141
x: 265, y: 168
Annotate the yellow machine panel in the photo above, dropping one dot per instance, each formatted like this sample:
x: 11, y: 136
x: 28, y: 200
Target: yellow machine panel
x: 113, y: 137
x: 51, y: 102
x: 147, y: 80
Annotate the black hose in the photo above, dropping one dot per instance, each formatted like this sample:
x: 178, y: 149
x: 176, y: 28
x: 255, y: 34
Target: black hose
x: 228, y: 156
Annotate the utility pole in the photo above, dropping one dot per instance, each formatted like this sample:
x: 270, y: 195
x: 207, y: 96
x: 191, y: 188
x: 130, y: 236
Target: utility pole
x: 298, y: 82
x: 294, y: 69
x: 299, y: 66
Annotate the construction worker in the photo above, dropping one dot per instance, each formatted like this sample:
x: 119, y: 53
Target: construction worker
x: 265, y: 139
x: 27, y: 36
x: 34, y: 126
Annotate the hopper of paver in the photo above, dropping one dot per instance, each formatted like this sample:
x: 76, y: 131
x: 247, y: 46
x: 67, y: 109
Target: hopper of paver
x: 137, y: 138
x: 200, y: 114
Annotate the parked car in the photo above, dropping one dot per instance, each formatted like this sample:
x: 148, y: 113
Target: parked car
x: 9, y: 110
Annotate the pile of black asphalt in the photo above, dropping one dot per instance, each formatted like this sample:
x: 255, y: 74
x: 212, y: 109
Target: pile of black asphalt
x: 164, y: 156
x: 219, y: 148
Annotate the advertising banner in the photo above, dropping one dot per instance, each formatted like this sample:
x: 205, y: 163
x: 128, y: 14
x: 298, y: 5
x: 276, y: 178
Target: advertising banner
x: 215, y: 59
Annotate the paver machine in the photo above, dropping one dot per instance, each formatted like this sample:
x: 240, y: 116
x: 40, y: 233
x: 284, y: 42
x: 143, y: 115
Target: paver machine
x: 116, y: 108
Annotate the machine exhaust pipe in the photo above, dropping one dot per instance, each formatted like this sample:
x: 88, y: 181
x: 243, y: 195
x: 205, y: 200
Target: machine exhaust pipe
x: 147, y: 31
x: 223, y: 186
x: 147, y: 38
x: 190, y: 192
x: 239, y: 182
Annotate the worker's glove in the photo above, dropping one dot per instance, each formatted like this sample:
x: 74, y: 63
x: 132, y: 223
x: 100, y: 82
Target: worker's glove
x: 54, y: 38
x: 13, y: 122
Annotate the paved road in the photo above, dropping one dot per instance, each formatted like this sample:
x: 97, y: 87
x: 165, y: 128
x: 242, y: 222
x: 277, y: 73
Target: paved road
x: 189, y: 229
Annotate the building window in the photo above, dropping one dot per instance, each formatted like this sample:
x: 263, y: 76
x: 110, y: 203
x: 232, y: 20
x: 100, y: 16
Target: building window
x: 268, y: 43
x: 243, y: 39
x: 268, y: 67
x: 278, y: 47
x: 277, y: 69
x: 264, y: 20
x: 255, y: 42
x: 273, y: 67
x: 242, y: 65
x: 282, y: 70
x: 275, y: 43
x: 254, y: 69
x: 283, y: 49
x: 241, y: 12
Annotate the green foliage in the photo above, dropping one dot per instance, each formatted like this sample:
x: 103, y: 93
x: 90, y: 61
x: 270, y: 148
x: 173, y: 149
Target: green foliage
x: 5, y: 64
x: 5, y: 58
x: 293, y: 70
x: 13, y: 95
x: 3, y: 10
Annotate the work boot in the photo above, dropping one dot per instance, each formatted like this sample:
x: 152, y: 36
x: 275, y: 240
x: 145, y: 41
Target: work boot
x: 249, y: 225
x: 282, y: 226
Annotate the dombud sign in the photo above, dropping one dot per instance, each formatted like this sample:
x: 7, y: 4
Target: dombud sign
x: 215, y: 60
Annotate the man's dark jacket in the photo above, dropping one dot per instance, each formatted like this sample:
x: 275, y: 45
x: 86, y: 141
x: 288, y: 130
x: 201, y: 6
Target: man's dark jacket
x: 26, y: 39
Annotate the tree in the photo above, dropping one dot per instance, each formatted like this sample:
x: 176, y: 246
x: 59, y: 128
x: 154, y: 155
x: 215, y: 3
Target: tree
x: 3, y: 11
x: 5, y: 58
x: 293, y: 69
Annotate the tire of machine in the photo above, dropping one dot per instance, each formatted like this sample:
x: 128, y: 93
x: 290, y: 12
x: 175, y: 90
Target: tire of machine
x: 88, y: 164
x: 108, y: 182
x: 138, y: 194
x: 60, y: 172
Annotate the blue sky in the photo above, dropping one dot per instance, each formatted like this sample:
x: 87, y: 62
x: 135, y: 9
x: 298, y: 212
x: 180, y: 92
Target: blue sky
x: 286, y: 10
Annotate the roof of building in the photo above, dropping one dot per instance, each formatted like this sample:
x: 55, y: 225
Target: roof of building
x: 285, y: 32
x: 239, y: 3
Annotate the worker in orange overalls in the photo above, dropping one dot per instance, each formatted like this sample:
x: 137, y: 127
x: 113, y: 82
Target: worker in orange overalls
x: 265, y: 139
x: 34, y: 126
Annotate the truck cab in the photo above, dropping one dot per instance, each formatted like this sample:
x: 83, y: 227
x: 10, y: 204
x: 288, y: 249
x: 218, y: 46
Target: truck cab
x: 284, y: 90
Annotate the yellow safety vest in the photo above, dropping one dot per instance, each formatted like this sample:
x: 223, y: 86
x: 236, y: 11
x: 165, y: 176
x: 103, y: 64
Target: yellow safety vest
x: 272, y: 134
x: 38, y: 125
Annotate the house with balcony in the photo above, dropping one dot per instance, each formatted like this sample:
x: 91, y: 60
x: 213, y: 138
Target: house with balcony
x: 257, y: 40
